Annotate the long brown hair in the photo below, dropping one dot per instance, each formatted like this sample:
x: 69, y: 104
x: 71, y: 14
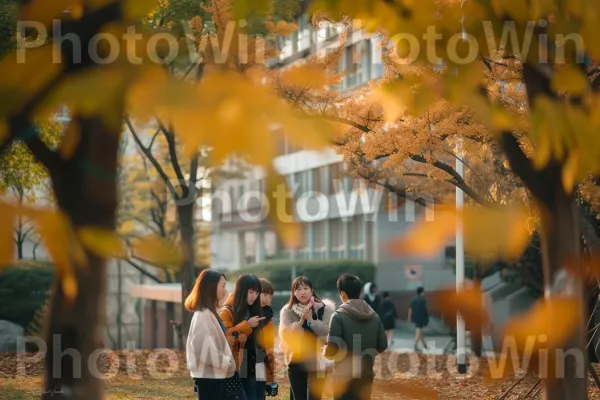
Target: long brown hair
x: 301, y: 280
x: 204, y: 294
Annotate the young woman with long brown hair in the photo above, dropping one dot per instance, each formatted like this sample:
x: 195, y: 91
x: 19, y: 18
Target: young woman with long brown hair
x: 209, y: 358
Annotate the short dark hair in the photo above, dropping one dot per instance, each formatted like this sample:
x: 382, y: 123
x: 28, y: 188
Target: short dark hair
x: 351, y: 285
x: 266, y: 286
x: 420, y: 290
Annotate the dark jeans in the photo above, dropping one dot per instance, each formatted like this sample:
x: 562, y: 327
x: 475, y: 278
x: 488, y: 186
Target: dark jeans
x: 358, y: 389
x: 304, y: 385
x: 208, y: 389
x: 253, y: 389
x: 261, y: 390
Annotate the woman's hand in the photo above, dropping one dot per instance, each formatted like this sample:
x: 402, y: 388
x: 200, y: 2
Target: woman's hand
x: 307, y: 314
x: 254, y: 321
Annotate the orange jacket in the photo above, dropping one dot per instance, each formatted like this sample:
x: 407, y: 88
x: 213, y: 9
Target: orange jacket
x: 265, y: 338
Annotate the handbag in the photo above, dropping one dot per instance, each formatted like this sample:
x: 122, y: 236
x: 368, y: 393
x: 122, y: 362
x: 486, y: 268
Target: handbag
x: 232, y: 387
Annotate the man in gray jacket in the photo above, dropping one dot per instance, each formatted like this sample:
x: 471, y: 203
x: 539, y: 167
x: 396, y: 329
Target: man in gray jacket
x: 356, y: 337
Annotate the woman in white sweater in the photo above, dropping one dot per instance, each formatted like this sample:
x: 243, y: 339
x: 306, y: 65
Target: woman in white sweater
x: 305, y: 314
x: 209, y: 357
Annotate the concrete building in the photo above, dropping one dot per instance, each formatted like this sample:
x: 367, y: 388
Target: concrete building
x: 343, y: 217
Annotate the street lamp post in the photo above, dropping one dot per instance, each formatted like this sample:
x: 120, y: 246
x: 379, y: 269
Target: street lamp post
x: 460, y: 266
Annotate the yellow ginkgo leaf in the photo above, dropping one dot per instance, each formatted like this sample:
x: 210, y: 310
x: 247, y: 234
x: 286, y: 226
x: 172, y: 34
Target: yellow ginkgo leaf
x: 280, y: 211
x: 570, y: 79
x: 391, y: 101
x: 156, y: 250
x: 307, y: 76
x: 570, y: 172
x: 103, y: 242
x: 136, y: 9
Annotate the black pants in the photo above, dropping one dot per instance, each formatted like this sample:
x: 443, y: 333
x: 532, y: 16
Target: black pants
x: 208, y: 389
x: 304, y: 385
x: 358, y: 389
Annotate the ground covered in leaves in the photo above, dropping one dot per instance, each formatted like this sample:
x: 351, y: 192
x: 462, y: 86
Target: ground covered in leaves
x: 162, y: 374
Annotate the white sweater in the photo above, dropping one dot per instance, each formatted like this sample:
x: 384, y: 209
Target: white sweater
x: 207, y: 351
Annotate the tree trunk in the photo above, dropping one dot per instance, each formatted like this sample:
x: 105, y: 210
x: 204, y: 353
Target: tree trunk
x: 560, y: 234
x: 185, y: 213
x: 86, y: 191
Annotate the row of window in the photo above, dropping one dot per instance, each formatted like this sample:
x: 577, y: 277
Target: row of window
x: 328, y: 180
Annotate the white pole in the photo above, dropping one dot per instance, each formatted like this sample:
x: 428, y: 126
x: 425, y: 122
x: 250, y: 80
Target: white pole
x: 460, y: 267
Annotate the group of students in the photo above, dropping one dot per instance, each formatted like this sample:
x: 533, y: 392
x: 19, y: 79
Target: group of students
x: 230, y: 346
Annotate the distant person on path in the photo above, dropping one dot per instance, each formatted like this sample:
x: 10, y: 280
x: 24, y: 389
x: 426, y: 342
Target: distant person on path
x: 355, y: 328
x: 267, y: 338
x: 388, y: 317
x: 209, y: 357
x: 371, y: 297
x: 418, y: 315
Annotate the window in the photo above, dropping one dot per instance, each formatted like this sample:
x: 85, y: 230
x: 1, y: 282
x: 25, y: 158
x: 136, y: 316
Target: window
x: 316, y: 179
x: 336, y: 176
x: 232, y: 197
x: 303, y: 33
x: 376, y: 57
x: 357, y: 62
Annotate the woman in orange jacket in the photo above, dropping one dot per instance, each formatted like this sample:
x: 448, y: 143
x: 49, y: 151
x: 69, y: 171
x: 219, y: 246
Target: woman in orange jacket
x: 242, y: 316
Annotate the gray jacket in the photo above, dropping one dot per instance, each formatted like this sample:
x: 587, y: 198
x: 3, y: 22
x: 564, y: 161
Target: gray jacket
x: 355, y: 332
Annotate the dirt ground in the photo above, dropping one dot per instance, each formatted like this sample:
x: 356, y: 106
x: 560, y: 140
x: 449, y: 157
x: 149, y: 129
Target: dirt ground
x: 145, y: 375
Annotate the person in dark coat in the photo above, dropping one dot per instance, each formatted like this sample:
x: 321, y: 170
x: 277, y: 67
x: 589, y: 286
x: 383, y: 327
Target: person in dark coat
x: 356, y: 336
x: 371, y: 297
x: 388, y: 317
x: 418, y: 315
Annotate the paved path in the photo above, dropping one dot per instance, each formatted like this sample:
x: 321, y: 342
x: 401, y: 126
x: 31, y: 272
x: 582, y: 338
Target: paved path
x: 404, y: 342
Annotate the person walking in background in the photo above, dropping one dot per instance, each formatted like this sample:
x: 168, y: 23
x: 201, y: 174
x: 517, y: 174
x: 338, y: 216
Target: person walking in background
x: 356, y: 336
x: 418, y: 315
x: 266, y: 340
x: 388, y: 317
x: 371, y: 297
x: 209, y: 357
x: 242, y: 316
x: 304, y: 314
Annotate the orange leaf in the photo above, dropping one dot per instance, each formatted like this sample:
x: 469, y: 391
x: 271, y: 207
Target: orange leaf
x: 548, y: 324
x: 6, y: 232
x: 488, y: 234
x: 307, y: 76
x: 468, y: 302
x: 426, y: 237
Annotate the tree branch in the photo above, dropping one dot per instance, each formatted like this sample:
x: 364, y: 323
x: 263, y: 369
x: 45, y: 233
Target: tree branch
x: 151, y: 158
x: 143, y: 271
x: 520, y: 164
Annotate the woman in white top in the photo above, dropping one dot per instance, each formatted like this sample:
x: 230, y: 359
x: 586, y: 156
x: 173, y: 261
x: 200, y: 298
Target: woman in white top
x: 209, y: 357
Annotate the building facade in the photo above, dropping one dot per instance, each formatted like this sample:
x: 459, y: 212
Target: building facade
x: 341, y: 217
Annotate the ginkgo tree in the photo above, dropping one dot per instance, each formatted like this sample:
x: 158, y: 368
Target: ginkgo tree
x: 551, y: 149
x: 224, y: 110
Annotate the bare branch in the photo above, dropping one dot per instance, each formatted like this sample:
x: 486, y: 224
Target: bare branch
x: 151, y: 158
x: 143, y: 271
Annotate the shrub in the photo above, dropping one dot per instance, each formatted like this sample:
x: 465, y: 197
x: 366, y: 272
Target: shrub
x: 24, y: 289
x: 322, y: 273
